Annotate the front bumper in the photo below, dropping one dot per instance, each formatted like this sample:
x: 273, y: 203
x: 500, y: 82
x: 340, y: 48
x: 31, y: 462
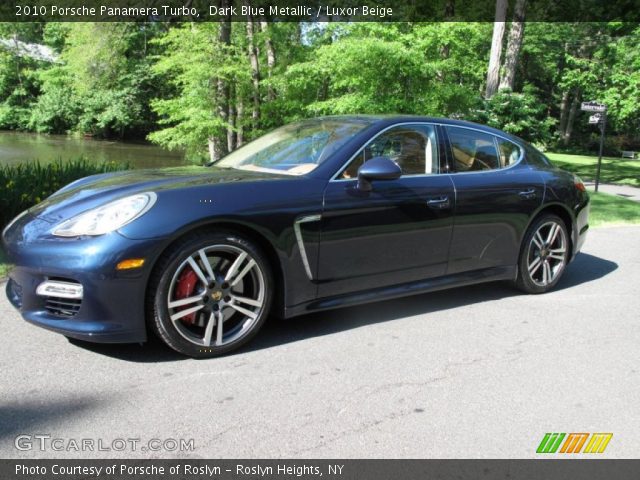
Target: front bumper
x: 113, y: 302
x: 582, y: 225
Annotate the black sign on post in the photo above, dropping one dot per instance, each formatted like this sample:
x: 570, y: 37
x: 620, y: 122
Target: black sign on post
x: 593, y: 107
x: 595, y: 118
x: 601, y: 110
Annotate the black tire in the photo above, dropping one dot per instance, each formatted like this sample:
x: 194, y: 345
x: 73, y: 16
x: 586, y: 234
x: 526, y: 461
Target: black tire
x: 219, y: 298
x: 532, y: 276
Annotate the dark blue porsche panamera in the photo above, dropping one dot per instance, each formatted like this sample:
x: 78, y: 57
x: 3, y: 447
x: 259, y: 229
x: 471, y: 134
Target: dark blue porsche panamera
x: 315, y: 215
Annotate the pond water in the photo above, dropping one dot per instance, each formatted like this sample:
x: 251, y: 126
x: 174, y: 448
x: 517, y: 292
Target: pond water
x: 17, y: 147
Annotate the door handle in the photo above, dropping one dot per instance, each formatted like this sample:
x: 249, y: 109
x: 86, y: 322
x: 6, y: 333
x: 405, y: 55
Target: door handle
x: 438, y: 202
x: 528, y: 194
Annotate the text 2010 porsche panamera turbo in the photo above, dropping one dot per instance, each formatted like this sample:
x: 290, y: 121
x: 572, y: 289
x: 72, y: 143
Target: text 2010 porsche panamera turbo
x: 315, y: 215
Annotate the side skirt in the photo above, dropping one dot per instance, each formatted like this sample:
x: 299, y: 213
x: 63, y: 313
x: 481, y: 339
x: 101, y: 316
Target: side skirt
x: 396, y: 291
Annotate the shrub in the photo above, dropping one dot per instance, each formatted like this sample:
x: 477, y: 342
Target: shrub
x: 521, y: 114
x: 26, y: 184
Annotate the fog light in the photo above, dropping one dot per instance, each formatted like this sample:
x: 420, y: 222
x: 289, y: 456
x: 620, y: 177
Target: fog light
x: 50, y: 288
x: 130, y: 263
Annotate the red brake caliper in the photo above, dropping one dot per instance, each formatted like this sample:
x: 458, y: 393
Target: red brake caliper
x: 185, y: 288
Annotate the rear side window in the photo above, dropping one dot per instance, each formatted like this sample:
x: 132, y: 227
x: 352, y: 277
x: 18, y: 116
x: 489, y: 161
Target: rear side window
x: 509, y: 152
x: 473, y: 150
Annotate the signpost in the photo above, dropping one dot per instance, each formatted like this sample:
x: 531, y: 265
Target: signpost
x: 599, y: 117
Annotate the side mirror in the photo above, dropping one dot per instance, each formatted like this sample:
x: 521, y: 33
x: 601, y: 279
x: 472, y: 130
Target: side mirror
x: 378, y: 168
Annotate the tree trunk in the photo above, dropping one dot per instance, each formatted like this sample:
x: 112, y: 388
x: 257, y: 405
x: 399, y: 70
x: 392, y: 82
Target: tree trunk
x: 564, y: 111
x: 493, y: 73
x: 566, y: 139
x: 239, y: 120
x: 445, y: 50
x: 255, y: 72
x: 297, y: 34
x: 218, y: 141
x: 514, y: 44
x: 564, y: 102
x: 217, y: 148
x: 323, y: 91
x: 449, y: 9
x: 271, y: 57
x: 231, y: 130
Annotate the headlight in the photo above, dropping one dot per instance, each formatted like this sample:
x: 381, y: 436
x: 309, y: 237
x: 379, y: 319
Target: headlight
x: 107, y: 218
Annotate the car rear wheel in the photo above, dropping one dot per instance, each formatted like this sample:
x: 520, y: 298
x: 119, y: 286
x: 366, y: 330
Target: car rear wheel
x: 210, y: 294
x: 544, y: 255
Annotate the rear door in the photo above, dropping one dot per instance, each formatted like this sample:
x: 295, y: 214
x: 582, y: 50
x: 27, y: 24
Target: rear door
x: 496, y: 194
x: 398, y: 232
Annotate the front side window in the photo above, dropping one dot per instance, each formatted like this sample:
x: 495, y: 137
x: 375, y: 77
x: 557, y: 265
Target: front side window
x: 472, y: 150
x: 295, y: 149
x: 413, y: 147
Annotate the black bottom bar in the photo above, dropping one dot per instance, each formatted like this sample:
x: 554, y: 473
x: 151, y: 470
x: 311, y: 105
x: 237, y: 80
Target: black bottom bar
x: 199, y: 469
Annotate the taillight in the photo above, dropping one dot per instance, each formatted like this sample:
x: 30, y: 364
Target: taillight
x: 578, y: 183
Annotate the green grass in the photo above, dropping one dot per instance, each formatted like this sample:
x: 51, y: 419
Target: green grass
x: 606, y: 210
x: 610, y: 210
x: 621, y: 171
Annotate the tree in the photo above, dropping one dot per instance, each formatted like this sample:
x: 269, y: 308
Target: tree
x: 271, y: 58
x: 19, y: 82
x: 493, y: 72
x: 377, y: 68
x: 518, y: 113
x: 255, y: 71
x: 103, y: 81
x: 210, y: 87
x: 621, y: 82
x: 218, y: 144
x: 201, y: 62
x: 516, y: 34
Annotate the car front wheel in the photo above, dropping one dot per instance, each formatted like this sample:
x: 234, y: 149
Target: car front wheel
x: 210, y: 294
x: 544, y: 255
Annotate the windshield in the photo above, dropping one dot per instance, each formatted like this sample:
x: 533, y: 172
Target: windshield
x: 295, y: 149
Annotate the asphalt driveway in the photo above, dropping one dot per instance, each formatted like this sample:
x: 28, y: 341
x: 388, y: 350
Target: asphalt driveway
x: 473, y: 372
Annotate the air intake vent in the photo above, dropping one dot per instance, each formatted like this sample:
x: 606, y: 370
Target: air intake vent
x: 63, y: 297
x: 63, y: 307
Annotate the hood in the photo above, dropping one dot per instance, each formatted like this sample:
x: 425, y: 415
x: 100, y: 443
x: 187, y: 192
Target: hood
x: 96, y: 190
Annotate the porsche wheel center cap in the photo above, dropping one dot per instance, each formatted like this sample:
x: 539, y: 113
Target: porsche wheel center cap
x: 216, y: 296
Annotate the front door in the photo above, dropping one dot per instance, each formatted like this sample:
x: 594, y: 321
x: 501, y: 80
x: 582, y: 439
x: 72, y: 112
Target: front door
x: 398, y: 232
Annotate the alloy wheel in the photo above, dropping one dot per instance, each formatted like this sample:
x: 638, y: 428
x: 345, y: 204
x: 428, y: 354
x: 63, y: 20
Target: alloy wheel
x: 547, y: 254
x: 216, y: 295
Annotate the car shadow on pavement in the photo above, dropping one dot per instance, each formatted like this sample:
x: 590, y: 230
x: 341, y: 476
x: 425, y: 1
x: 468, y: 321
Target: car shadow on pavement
x: 585, y: 268
x: 279, y: 332
x: 19, y: 418
x: 152, y: 351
